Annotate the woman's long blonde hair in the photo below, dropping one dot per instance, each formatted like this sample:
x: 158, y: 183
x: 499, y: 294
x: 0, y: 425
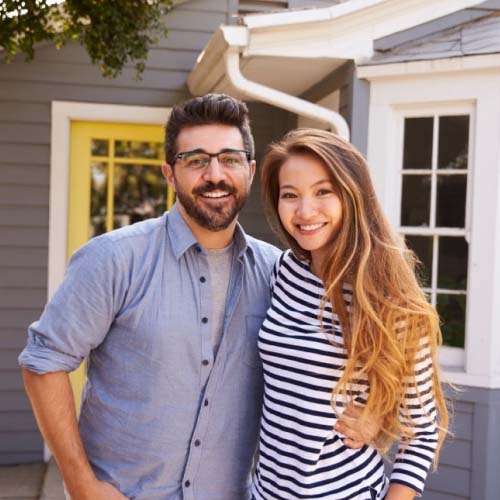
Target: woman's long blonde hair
x: 389, y: 318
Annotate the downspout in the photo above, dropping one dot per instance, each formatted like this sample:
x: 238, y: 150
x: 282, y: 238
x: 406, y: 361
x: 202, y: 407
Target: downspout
x: 278, y: 98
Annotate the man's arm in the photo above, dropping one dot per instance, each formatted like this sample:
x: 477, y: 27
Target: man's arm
x: 54, y: 408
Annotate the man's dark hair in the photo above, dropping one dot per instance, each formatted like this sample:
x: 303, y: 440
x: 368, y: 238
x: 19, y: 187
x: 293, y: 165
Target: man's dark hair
x: 209, y: 109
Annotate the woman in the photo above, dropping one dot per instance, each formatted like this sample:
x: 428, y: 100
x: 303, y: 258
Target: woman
x: 348, y: 324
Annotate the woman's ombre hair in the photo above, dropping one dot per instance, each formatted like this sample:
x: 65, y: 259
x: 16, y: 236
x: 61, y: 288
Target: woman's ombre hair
x: 390, y: 320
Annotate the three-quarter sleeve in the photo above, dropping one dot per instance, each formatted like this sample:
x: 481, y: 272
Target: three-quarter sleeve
x: 78, y: 317
x: 413, y: 461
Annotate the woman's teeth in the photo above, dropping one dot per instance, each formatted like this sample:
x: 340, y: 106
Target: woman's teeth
x: 311, y: 227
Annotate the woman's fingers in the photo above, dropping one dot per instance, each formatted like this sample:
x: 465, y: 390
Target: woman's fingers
x: 357, y: 430
x: 351, y: 443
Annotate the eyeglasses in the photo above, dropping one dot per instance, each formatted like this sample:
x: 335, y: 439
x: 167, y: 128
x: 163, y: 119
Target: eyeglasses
x: 230, y: 159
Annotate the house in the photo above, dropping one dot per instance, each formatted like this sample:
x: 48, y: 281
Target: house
x: 414, y: 83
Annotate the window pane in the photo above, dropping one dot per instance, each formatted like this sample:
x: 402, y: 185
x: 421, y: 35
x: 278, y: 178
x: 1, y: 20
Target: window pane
x: 138, y: 149
x: 417, y: 152
x: 98, y: 197
x: 99, y: 147
x: 415, y: 203
x: 451, y: 309
x: 452, y: 263
x: 140, y: 193
x: 453, y: 141
x: 450, y: 206
x: 422, y: 246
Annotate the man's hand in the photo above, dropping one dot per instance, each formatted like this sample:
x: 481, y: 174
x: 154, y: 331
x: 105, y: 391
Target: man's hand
x: 99, y: 490
x: 357, y: 430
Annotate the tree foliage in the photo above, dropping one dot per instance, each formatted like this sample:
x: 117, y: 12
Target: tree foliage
x: 113, y: 32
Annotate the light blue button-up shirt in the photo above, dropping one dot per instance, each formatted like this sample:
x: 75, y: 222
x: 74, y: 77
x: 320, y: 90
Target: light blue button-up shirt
x: 161, y: 419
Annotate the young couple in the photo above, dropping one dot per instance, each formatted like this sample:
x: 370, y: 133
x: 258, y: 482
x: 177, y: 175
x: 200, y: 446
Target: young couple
x: 175, y: 318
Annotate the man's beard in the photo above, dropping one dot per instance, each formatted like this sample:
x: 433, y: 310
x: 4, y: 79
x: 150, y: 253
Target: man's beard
x: 216, y: 217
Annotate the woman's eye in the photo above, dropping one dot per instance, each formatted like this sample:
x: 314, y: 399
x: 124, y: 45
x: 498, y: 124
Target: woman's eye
x: 323, y: 192
x: 287, y: 195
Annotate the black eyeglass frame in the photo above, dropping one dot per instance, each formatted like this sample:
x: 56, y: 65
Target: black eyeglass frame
x: 179, y: 156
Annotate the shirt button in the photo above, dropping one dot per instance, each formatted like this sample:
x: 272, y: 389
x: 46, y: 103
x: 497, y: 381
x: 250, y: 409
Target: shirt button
x: 205, y: 362
x: 205, y: 402
x: 204, y: 320
x: 203, y: 279
x: 187, y: 483
x: 197, y: 442
x: 198, y: 249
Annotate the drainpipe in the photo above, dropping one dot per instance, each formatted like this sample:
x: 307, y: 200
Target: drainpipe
x: 278, y: 98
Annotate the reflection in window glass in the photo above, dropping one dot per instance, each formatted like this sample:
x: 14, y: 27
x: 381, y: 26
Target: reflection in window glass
x: 138, y: 149
x: 451, y: 309
x: 450, y: 206
x: 415, y: 201
x: 453, y: 142
x: 140, y: 193
x: 417, y: 153
x: 422, y: 246
x: 98, y: 197
x: 99, y: 147
x: 452, y: 263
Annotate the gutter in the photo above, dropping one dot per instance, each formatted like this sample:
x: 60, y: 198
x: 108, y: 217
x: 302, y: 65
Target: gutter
x: 280, y: 99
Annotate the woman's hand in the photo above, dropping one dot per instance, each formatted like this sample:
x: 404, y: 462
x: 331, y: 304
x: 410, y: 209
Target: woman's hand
x: 357, y: 430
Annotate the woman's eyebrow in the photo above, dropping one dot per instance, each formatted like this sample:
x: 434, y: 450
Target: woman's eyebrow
x: 322, y: 181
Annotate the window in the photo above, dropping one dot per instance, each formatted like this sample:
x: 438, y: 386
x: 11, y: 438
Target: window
x: 433, y: 212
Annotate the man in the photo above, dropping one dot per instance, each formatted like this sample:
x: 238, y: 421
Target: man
x: 167, y: 312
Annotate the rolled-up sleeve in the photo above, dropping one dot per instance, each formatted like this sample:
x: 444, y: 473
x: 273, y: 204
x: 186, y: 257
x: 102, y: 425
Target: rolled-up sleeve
x: 78, y: 317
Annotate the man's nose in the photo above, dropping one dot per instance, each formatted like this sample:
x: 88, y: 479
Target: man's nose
x: 215, y: 171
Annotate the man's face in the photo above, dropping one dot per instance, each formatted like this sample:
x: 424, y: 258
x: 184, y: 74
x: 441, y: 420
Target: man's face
x: 211, y: 197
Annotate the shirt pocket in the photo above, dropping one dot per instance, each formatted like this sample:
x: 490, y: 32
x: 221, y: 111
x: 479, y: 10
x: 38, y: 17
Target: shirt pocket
x: 252, y: 326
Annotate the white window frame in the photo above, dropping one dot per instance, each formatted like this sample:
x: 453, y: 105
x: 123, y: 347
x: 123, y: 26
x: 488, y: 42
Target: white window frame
x: 450, y: 357
x: 439, y: 85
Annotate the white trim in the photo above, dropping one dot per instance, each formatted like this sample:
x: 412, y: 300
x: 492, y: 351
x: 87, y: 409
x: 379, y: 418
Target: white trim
x: 63, y: 113
x: 430, y: 66
x: 412, y: 13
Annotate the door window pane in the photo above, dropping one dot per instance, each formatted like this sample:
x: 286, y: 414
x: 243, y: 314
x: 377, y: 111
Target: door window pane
x: 451, y: 196
x: 415, y: 202
x: 417, y: 152
x: 98, y: 197
x: 138, y: 149
x: 99, y: 147
x: 453, y: 142
x: 451, y: 309
x: 452, y: 263
x: 422, y: 246
x: 140, y: 193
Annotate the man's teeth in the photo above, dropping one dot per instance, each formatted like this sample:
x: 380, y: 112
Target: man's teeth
x: 310, y: 227
x: 216, y: 194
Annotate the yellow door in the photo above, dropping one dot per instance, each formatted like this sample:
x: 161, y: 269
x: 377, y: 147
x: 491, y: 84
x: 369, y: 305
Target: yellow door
x: 115, y: 180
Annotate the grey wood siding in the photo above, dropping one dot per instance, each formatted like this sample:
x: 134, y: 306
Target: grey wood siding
x: 26, y: 92
x: 268, y: 124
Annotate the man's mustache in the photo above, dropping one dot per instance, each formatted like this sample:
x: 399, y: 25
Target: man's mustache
x: 210, y: 186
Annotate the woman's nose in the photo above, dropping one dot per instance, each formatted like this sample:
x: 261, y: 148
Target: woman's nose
x: 307, y: 208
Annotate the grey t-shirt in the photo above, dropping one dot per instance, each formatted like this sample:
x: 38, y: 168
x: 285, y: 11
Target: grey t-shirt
x: 219, y: 264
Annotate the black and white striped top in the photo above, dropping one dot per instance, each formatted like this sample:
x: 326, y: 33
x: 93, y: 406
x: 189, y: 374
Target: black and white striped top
x: 301, y: 456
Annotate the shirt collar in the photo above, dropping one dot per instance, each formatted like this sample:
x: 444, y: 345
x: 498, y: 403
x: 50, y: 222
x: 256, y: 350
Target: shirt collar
x: 181, y: 237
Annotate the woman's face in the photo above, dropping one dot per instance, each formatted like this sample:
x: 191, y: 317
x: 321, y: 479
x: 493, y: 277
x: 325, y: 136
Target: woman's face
x: 309, y: 207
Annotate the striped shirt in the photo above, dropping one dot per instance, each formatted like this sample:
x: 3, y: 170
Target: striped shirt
x: 301, y: 456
